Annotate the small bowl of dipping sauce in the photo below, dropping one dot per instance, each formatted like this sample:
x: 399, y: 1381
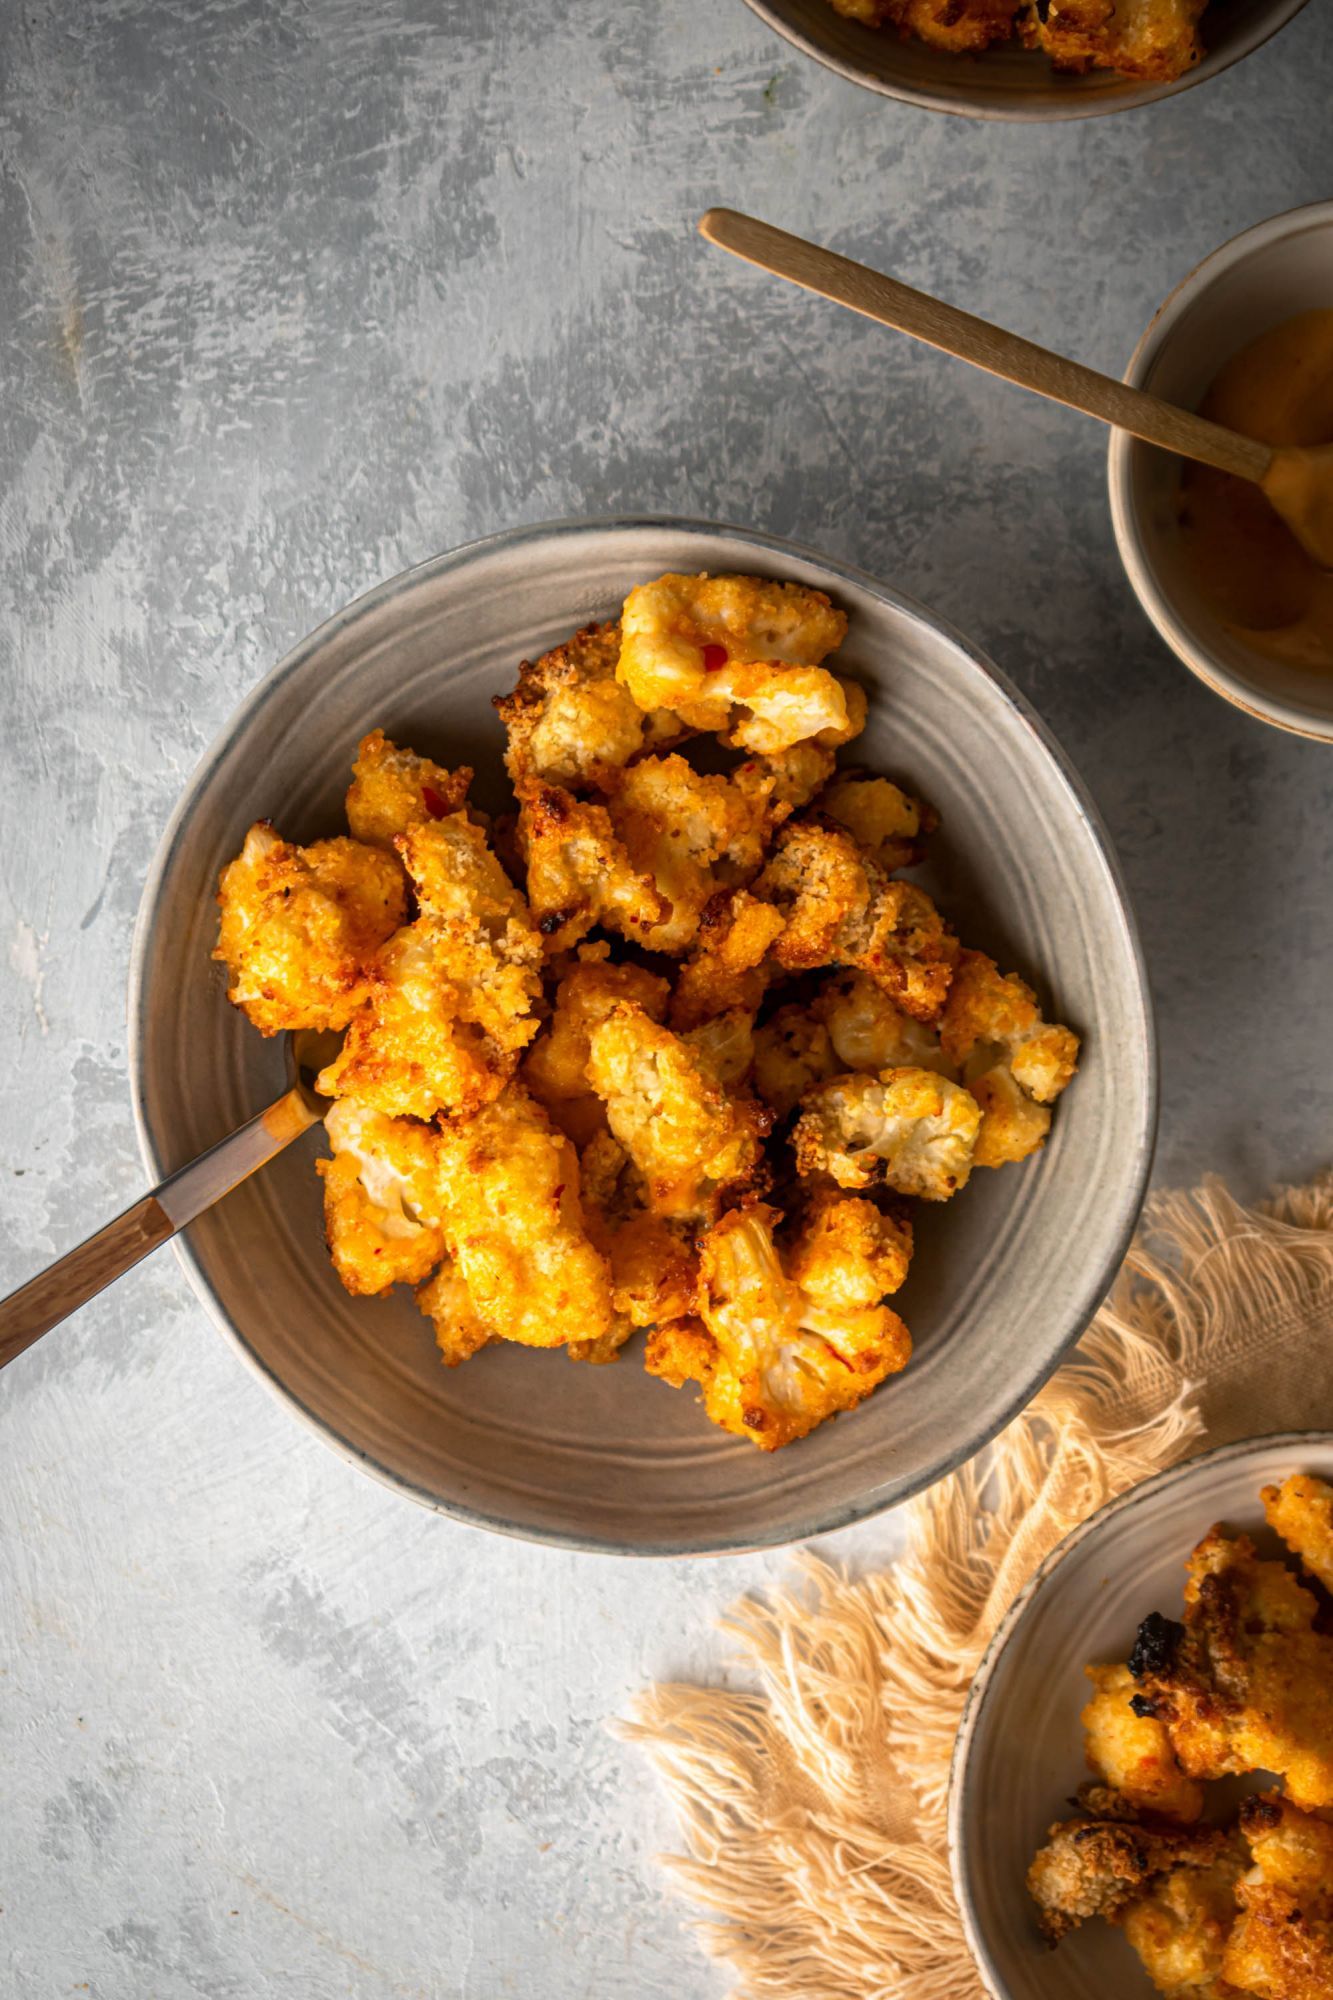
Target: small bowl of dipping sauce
x: 1247, y: 339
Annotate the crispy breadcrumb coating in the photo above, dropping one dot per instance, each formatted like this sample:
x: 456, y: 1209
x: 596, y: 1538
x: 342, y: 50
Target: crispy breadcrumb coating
x: 1301, y: 1511
x: 1281, y: 1947
x: 692, y: 833
x: 447, y: 1303
x: 555, y: 1068
x: 910, y: 1130
x: 1180, y: 1927
x: 452, y: 998
x: 730, y: 964
x: 514, y: 1225
x: 848, y: 1254
x: 1247, y: 1683
x: 692, y: 1139
x: 789, y: 780
x: 381, y: 1198
x: 1098, y: 1866
x: 394, y: 789
x: 886, y: 821
x: 1133, y: 1752
x: 570, y: 722
x: 1013, y: 1062
x: 579, y: 872
x: 792, y: 1053
x: 772, y: 1362
x: 300, y: 927
x: 1155, y: 40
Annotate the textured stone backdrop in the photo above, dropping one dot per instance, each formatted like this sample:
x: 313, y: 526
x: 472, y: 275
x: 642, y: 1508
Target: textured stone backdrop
x: 293, y: 297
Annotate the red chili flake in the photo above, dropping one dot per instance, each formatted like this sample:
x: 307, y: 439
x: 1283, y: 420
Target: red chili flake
x: 434, y: 804
x: 714, y: 657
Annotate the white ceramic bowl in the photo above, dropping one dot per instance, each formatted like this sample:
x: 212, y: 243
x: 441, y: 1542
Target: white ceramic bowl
x: 1005, y: 1278
x: 1007, y: 81
x: 1019, y: 1754
x: 1278, y: 268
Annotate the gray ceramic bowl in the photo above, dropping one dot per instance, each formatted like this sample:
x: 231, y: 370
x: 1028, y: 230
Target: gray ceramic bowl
x: 1007, y: 81
x: 1005, y: 1278
x: 1019, y: 1753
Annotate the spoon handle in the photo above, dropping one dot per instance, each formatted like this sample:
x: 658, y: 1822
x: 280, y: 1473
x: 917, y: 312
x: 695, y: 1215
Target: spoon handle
x: 75, y: 1278
x: 985, y: 346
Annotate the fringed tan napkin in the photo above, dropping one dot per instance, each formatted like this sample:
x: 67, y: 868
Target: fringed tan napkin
x: 814, y: 1808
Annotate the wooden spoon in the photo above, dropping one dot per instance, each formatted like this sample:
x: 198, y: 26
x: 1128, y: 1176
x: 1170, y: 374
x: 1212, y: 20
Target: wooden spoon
x: 1297, y: 480
x: 79, y: 1275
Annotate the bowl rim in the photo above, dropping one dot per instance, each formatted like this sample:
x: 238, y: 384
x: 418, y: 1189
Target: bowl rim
x: 959, y: 1803
x: 1190, y: 650
x: 1249, y: 37
x: 571, y: 528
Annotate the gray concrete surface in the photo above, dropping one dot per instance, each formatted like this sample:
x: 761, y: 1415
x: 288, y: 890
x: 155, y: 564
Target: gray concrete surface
x: 293, y: 297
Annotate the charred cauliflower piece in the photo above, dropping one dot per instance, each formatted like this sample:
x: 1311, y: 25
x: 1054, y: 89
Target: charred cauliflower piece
x: 393, y: 789
x: 1281, y: 1947
x: 381, y: 1201
x: 730, y: 964
x: 300, y: 927
x: 555, y: 1069
x: 447, y: 1303
x: 1102, y: 1866
x: 867, y: 1032
x: 739, y: 656
x: 1014, y: 1063
x: 1156, y: 40
x: 451, y: 1000
x: 691, y: 1138
x: 1301, y: 1512
x: 1132, y: 1752
x: 886, y: 821
x: 792, y: 1053
x: 909, y: 1130
x: 571, y: 723
x: 773, y: 1364
x: 514, y: 1226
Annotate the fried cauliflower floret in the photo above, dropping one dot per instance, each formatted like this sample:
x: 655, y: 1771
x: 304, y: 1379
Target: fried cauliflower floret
x: 570, y: 722
x: 771, y: 1362
x: 792, y: 1053
x: 394, y: 789
x: 1100, y: 1866
x: 381, y: 1200
x: 1246, y: 1684
x: 1133, y: 1752
x: 447, y: 1303
x: 839, y: 908
x: 847, y: 1254
x: 578, y: 871
x: 1301, y: 1511
x: 300, y: 927
x: 739, y: 655
x: 654, y: 1267
x: 886, y: 821
x: 451, y: 999
x: 730, y: 964
x: 692, y: 834
x: 555, y: 1069
x: 1180, y: 1927
x: 867, y: 1032
x: 514, y: 1226
x: 961, y: 27
x: 691, y: 1138
x: 1281, y: 1947
x: 790, y: 779
x: 910, y: 1130
x: 1156, y: 40
x: 1014, y: 1063
x: 725, y: 1045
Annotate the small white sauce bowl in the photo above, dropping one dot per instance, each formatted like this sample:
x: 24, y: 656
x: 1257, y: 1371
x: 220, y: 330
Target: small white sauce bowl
x: 1279, y: 268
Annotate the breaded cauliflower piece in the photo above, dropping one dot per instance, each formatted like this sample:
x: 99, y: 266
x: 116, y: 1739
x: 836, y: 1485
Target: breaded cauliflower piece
x: 886, y: 821
x: 867, y: 1032
x: 691, y: 1138
x: 555, y: 1068
x: 394, y: 789
x: 1013, y: 1062
x: 381, y: 1199
x: 1104, y: 1863
x: 840, y: 908
x: 910, y: 1130
x: 961, y: 27
x: 514, y: 1226
x: 451, y: 1002
x: 1247, y: 1683
x: 730, y: 964
x: 571, y: 723
x: 847, y: 1254
x: 1180, y: 1927
x: 447, y: 1303
x: 706, y: 647
x: 790, y: 779
x: 579, y: 872
x: 1156, y: 40
x: 792, y: 1053
x: 771, y: 1362
x: 1281, y: 1947
x: 1132, y: 1752
x: 300, y: 927
x: 692, y: 834
x: 654, y: 1266
x: 1301, y: 1512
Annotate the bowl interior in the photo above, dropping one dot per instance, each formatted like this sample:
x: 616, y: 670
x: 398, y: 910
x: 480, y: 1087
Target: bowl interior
x: 1020, y: 1754
x: 608, y: 1457
x: 1282, y: 269
x: 1008, y: 81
